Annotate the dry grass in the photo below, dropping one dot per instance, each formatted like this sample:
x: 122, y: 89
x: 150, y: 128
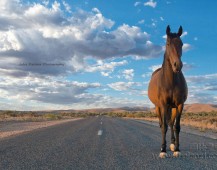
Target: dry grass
x: 37, y: 117
x: 202, y: 121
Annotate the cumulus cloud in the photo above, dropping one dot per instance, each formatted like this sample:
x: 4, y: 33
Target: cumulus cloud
x: 48, y: 90
x: 37, y: 33
x: 128, y: 74
x: 186, y: 67
x: 105, y: 68
x: 124, y: 86
x: 186, y: 47
x: 67, y: 6
x: 202, y: 78
x: 42, y: 43
x: 202, y: 88
x: 151, y: 3
x: 155, y: 67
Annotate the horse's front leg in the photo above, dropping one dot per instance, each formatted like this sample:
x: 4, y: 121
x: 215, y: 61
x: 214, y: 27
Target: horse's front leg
x: 177, y: 129
x: 163, y: 112
x: 171, y: 124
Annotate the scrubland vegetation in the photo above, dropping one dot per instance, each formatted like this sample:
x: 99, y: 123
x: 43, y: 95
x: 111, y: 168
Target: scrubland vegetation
x: 35, y: 116
x: 202, y: 120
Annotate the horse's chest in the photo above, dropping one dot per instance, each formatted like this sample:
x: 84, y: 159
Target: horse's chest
x: 174, y: 96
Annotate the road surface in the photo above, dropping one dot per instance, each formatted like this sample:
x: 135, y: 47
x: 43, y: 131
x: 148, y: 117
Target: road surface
x: 103, y: 143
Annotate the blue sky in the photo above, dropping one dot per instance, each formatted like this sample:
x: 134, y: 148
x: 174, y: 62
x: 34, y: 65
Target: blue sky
x: 94, y: 53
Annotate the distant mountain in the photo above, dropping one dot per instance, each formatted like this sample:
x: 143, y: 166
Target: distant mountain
x: 199, y: 107
x: 117, y: 110
x: 194, y: 108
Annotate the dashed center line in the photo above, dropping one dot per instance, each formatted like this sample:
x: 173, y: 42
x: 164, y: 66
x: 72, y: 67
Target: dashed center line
x: 101, y: 123
x: 99, y: 133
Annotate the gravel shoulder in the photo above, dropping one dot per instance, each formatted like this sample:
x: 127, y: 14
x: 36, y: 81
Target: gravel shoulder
x: 11, y: 128
x: 185, y: 129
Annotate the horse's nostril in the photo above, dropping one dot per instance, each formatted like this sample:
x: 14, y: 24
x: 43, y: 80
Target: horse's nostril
x: 175, y: 64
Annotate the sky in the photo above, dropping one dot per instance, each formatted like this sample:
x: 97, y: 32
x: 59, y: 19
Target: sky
x: 80, y: 54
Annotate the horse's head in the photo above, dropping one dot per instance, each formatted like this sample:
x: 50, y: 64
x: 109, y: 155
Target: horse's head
x: 174, y: 49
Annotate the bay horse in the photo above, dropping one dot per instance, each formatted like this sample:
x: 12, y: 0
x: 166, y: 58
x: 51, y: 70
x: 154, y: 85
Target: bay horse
x: 168, y: 91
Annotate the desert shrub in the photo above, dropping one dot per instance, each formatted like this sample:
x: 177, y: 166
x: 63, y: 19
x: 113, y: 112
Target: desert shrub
x: 51, y: 116
x: 131, y: 115
x: 9, y: 114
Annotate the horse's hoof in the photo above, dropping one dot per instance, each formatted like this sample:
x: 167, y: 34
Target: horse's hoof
x: 172, y: 147
x: 163, y: 155
x: 177, y: 154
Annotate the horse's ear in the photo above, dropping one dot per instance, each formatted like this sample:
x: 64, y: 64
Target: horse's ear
x: 168, y: 30
x: 180, y: 31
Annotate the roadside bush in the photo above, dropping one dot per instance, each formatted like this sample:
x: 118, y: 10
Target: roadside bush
x: 51, y: 116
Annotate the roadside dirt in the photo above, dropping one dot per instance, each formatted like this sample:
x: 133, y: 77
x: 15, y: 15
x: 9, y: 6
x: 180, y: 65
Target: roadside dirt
x: 11, y: 128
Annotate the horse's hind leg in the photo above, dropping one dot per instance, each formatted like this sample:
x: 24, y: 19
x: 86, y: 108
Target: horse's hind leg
x: 177, y: 129
x: 171, y: 123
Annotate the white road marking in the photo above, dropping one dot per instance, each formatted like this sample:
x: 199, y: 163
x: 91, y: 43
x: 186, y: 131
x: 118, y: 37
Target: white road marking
x: 99, y: 132
x: 101, y: 123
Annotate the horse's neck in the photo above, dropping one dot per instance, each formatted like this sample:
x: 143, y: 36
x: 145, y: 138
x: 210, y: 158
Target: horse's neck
x: 167, y: 72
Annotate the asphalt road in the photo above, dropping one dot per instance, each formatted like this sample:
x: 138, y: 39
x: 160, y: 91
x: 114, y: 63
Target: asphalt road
x: 103, y: 143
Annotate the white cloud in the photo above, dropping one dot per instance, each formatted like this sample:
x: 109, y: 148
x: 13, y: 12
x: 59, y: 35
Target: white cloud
x: 155, y: 67
x: 45, y: 2
x: 108, y: 101
x: 202, y: 88
x: 202, y: 78
x: 148, y: 74
x: 187, y: 66
x: 128, y: 74
x: 151, y: 3
x: 105, y: 74
x: 153, y: 24
x: 137, y: 3
x: 124, y: 86
x: 34, y: 35
x: 105, y: 67
x: 48, y: 90
x: 144, y: 93
x: 186, y: 47
x: 161, y: 18
x: 141, y: 21
x: 39, y: 33
x: 67, y: 6
x: 164, y: 36
x: 184, y: 34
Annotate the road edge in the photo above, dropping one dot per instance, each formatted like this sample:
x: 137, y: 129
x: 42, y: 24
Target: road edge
x: 184, y: 129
